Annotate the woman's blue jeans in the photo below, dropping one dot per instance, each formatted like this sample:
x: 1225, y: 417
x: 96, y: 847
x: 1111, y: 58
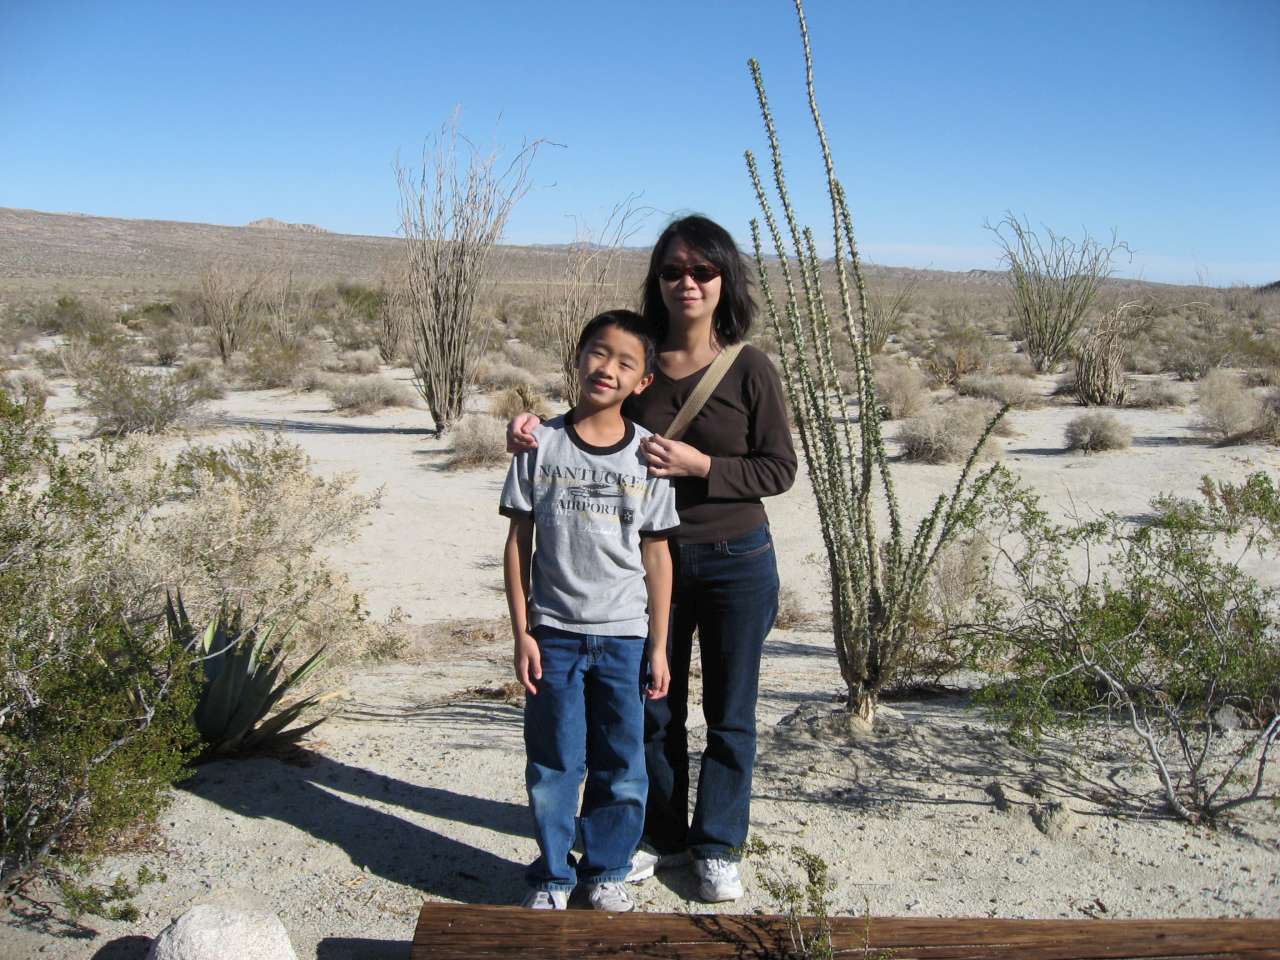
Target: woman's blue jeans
x: 728, y: 591
x: 587, y: 718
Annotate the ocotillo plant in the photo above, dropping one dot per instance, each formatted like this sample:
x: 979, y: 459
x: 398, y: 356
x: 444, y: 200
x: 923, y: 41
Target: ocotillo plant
x: 875, y: 586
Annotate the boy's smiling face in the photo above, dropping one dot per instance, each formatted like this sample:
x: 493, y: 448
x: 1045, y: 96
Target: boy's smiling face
x: 611, y: 367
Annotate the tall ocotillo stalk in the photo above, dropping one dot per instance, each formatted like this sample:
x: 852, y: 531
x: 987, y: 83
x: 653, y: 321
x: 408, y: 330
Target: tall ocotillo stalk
x: 875, y: 585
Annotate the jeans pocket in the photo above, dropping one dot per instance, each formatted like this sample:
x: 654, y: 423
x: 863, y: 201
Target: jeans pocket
x: 752, y: 544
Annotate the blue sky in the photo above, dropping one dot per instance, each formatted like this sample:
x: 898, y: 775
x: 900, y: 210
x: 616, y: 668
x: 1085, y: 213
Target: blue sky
x: 1157, y: 119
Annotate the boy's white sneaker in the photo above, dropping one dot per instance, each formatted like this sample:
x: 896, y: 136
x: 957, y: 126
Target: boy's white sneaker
x: 611, y: 896
x: 646, y: 860
x: 546, y: 900
x: 718, y: 880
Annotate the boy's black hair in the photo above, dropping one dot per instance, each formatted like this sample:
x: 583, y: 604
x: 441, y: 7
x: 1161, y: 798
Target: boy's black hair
x: 627, y: 320
x: 736, y: 309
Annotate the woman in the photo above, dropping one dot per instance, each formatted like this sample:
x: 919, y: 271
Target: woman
x: 736, y: 451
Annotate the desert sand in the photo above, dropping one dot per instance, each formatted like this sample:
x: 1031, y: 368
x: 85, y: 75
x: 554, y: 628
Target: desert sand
x: 413, y: 789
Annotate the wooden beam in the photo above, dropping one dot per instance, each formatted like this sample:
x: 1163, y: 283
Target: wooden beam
x: 451, y: 931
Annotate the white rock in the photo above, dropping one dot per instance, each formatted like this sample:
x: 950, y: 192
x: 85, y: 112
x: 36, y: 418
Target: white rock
x: 210, y: 931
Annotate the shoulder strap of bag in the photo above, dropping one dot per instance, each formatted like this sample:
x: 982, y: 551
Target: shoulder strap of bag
x: 710, y: 380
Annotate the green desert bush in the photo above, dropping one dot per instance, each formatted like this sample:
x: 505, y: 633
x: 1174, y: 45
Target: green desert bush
x: 900, y: 388
x: 517, y: 400
x: 124, y: 400
x: 792, y: 612
x: 478, y: 441
x: 1228, y: 410
x: 367, y: 394
x: 95, y: 701
x: 272, y: 364
x: 1097, y: 431
x: 948, y: 433
x: 1014, y: 391
x: 1163, y: 637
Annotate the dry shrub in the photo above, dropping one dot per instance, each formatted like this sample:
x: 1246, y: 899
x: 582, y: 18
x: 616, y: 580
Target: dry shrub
x: 791, y: 612
x: 1093, y: 432
x: 497, y: 374
x: 360, y: 395
x: 478, y: 441
x: 309, y: 379
x: 27, y: 386
x: 1269, y: 416
x: 959, y: 348
x: 900, y: 388
x: 1152, y: 395
x: 1015, y: 391
x: 935, y: 649
x: 250, y: 519
x: 272, y: 364
x: 517, y: 400
x: 1228, y: 410
x: 359, y: 362
x: 947, y: 433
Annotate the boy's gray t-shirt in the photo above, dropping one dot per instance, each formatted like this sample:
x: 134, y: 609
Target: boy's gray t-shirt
x: 590, y: 506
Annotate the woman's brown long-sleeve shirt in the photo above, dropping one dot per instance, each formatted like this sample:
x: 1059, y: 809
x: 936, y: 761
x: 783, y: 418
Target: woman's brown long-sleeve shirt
x: 743, y: 428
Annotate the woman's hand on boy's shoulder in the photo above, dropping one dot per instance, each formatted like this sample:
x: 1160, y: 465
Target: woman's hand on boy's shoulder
x: 674, y: 458
x: 520, y: 433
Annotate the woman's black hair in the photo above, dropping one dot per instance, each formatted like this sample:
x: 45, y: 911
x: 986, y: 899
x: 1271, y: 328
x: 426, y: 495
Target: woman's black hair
x: 736, y: 309
x: 627, y: 320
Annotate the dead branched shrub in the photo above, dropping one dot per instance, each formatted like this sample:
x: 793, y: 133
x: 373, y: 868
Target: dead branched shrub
x: 1017, y: 392
x: 900, y: 388
x: 361, y: 395
x: 936, y: 650
x: 1227, y: 409
x: 517, y: 400
x: 886, y: 310
x: 1097, y: 431
x: 948, y: 433
x: 478, y: 441
x: 1100, y: 356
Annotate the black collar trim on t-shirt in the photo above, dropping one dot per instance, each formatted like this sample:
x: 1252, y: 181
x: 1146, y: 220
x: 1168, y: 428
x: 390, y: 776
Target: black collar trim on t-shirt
x: 627, y: 436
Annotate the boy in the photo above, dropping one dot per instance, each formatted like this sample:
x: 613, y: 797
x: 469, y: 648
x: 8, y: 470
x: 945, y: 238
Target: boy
x: 580, y: 634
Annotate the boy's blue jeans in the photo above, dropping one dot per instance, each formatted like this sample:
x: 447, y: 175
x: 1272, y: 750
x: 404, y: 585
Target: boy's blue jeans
x: 586, y: 718
x: 728, y: 592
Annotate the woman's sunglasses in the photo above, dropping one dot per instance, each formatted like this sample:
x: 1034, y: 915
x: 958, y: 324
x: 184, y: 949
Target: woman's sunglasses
x: 701, y: 272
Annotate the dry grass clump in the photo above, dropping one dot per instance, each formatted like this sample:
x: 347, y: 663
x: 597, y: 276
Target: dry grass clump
x: 494, y: 373
x: 1152, y: 395
x: 947, y: 433
x: 960, y: 347
x: 205, y: 376
x: 1228, y: 410
x: 517, y: 400
x: 791, y: 612
x: 900, y: 388
x: 366, y: 394
x: 27, y: 386
x: 359, y: 362
x: 478, y: 441
x: 1096, y: 431
x: 1016, y: 391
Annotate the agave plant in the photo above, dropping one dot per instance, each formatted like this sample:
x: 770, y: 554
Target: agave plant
x: 242, y: 668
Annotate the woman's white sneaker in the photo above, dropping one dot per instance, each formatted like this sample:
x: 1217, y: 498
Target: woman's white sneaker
x: 610, y: 896
x: 546, y: 900
x: 718, y: 880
